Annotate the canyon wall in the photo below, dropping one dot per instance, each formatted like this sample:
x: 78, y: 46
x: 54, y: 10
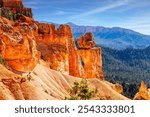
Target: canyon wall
x: 18, y: 46
x: 16, y: 7
x: 24, y: 42
x: 57, y: 46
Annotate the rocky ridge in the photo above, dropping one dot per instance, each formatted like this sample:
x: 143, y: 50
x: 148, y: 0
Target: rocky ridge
x: 25, y: 41
x: 13, y: 9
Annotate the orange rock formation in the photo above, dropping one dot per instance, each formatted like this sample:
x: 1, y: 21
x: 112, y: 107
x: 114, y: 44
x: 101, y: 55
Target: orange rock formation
x: 57, y: 47
x: 23, y: 41
x: 117, y: 87
x: 15, y: 6
x: 18, y: 45
x: 90, y: 57
x: 143, y: 93
x: 86, y: 41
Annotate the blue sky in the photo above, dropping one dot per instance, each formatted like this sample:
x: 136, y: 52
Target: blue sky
x: 132, y: 14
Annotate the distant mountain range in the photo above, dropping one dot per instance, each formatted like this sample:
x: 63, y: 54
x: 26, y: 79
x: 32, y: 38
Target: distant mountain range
x: 116, y: 37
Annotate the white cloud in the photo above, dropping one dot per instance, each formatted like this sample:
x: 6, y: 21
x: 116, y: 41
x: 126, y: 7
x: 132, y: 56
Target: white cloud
x: 103, y: 8
x: 138, y: 23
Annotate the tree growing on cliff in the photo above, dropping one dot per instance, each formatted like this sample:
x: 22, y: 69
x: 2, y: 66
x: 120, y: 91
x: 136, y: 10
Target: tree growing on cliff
x: 6, y: 13
x: 3, y: 61
x: 81, y: 91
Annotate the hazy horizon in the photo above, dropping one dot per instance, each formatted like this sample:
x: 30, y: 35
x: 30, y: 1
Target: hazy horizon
x: 130, y: 14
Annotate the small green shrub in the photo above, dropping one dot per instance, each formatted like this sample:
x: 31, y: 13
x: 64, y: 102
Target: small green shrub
x: 81, y: 91
x: 2, y: 61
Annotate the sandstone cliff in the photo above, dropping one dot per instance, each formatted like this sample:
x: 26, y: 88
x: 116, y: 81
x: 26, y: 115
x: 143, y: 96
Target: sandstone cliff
x: 12, y: 9
x: 23, y: 42
x: 143, y: 93
x: 57, y: 46
x: 18, y: 46
x: 91, y: 57
x: 26, y: 44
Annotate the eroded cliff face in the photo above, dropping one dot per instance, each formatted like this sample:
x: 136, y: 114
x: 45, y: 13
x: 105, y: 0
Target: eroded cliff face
x: 53, y: 45
x: 18, y: 46
x: 143, y: 93
x: 24, y: 42
x: 86, y: 41
x: 91, y: 58
x: 15, y: 6
x: 57, y: 46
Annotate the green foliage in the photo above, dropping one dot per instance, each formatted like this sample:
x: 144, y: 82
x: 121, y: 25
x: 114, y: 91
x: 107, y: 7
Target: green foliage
x: 130, y: 89
x: 3, y: 62
x: 27, y: 13
x: 81, y: 91
x: 128, y: 67
x: 6, y: 13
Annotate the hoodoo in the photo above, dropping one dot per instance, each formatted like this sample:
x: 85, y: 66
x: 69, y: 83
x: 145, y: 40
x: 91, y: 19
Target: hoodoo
x: 40, y: 61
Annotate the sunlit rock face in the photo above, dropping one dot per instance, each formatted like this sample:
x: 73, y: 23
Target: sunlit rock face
x: 18, y: 46
x: 58, y: 48
x: 117, y: 87
x: 90, y: 57
x: 26, y: 41
x: 143, y: 93
x: 15, y: 6
x: 86, y: 41
x: 12, y: 4
x: 91, y: 62
x: 53, y: 45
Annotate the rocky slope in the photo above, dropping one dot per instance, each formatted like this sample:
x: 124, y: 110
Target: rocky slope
x: 45, y: 83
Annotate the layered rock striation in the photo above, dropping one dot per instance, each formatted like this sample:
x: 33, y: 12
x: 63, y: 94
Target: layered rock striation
x: 57, y: 46
x: 25, y: 42
x: 91, y: 58
x: 18, y: 46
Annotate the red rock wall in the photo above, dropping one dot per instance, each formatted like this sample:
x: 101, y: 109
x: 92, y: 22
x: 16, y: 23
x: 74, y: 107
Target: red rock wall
x: 58, y: 48
x: 18, y: 45
x: 20, y: 41
x: 86, y: 41
x: 15, y: 5
x: 53, y: 46
x: 92, y: 62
